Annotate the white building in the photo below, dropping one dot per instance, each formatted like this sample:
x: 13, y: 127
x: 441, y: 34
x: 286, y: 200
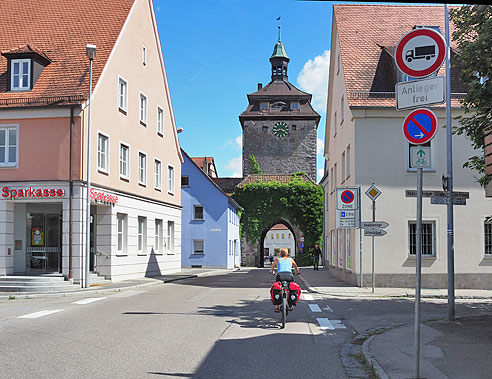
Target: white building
x: 364, y: 144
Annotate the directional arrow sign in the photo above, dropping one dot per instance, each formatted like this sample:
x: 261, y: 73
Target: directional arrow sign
x: 373, y: 224
x: 374, y: 232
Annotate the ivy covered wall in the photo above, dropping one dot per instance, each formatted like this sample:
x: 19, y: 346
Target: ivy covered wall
x: 266, y: 203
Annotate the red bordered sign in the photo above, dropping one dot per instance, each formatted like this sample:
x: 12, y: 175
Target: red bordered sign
x: 420, y: 53
x: 420, y: 126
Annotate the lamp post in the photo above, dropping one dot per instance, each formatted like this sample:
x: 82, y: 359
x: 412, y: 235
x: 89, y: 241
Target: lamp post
x: 90, y: 51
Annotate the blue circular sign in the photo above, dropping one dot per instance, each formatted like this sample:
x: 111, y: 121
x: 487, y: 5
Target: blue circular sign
x: 420, y: 126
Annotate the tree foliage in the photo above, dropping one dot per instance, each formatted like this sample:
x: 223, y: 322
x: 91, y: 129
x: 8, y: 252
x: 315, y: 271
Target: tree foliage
x: 473, y: 36
x: 255, y: 166
x: 265, y: 203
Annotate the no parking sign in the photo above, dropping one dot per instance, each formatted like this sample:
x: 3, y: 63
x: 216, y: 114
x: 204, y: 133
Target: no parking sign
x: 420, y: 126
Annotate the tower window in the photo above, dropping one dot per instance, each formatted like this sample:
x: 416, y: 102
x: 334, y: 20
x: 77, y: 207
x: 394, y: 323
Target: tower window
x: 294, y: 105
x: 263, y: 106
x: 265, y: 128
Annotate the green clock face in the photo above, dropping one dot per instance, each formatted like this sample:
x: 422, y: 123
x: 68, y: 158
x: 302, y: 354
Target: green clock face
x: 280, y: 129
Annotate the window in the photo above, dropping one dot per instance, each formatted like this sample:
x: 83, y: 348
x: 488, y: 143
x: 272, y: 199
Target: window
x: 294, y: 105
x: 198, y: 247
x: 157, y: 174
x: 144, y: 55
x: 170, y: 237
x: 343, y: 166
x: 335, y: 124
x: 142, y: 168
x: 143, y: 109
x: 488, y: 237
x: 170, y: 179
x: 158, y: 236
x: 122, y: 95
x: 20, y: 78
x: 122, y: 220
x: 102, y: 152
x: 263, y: 106
x: 185, y: 181
x: 428, y: 238
x: 142, y: 234
x: 342, y: 109
x: 160, y: 121
x: 265, y: 128
x: 124, y: 161
x: 198, y: 212
x: 347, y: 163
x: 8, y: 146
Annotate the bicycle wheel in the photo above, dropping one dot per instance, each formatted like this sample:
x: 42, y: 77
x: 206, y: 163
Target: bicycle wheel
x: 284, y: 311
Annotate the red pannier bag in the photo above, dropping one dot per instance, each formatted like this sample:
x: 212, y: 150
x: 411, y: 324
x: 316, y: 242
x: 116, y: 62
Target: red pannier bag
x: 276, y: 293
x: 294, y: 293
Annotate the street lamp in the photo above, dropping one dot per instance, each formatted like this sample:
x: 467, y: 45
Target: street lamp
x: 90, y: 51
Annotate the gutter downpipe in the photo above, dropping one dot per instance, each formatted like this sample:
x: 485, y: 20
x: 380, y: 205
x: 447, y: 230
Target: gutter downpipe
x: 70, y: 217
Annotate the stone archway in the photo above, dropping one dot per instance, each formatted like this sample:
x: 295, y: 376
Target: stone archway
x: 253, y: 252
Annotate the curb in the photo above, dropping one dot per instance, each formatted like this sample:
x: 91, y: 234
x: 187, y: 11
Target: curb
x: 371, y: 360
x: 94, y: 290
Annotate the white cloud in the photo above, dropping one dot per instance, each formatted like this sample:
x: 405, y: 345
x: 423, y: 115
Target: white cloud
x: 235, y: 166
x: 313, y: 78
x: 239, y: 141
x: 320, y: 146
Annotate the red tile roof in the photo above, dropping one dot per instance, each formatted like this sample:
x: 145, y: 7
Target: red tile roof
x: 368, y: 36
x: 60, y: 30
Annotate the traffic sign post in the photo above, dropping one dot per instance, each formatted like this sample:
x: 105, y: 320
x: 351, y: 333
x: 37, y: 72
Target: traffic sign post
x: 373, y: 193
x: 420, y: 52
x: 420, y: 126
x: 348, y: 205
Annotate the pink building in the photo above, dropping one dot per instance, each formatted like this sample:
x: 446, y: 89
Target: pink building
x: 135, y: 160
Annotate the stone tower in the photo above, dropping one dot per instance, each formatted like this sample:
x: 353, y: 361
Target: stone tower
x: 279, y: 125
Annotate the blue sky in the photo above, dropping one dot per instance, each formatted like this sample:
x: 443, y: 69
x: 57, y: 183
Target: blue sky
x: 217, y: 51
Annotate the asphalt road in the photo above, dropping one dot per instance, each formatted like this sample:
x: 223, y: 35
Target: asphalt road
x: 220, y: 326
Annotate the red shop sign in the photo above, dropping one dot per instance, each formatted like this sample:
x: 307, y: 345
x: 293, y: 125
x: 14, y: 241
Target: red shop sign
x: 32, y: 193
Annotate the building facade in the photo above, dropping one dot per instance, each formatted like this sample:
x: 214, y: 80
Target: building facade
x: 135, y: 159
x: 364, y: 145
x: 210, y: 220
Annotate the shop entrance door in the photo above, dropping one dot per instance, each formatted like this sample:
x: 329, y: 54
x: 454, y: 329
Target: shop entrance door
x: 93, y: 236
x: 44, y: 243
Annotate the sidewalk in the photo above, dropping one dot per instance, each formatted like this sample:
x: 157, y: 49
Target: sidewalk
x: 459, y: 349
x: 186, y: 273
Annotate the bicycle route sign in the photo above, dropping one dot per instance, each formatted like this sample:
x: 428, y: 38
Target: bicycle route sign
x: 420, y: 53
x: 420, y: 126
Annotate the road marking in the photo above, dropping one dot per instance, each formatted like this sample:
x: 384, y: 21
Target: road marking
x: 40, y: 314
x: 314, y: 308
x: 306, y: 296
x: 327, y: 308
x: 89, y: 300
x: 324, y: 323
x: 128, y: 293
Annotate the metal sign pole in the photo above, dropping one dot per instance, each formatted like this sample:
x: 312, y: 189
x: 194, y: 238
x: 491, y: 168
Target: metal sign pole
x: 418, y: 270
x: 373, y: 220
x: 449, y: 140
x: 360, y: 238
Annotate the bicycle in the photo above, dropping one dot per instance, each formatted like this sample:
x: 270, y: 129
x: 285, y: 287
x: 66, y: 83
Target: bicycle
x: 284, y: 305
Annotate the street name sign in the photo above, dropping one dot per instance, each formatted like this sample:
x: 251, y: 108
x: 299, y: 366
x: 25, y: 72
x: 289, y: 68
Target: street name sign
x: 373, y: 224
x: 444, y: 200
x: 420, y: 126
x: 418, y: 93
x: 374, y: 232
x: 420, y: 52
x: 420, y: 157
x: 456, y: 194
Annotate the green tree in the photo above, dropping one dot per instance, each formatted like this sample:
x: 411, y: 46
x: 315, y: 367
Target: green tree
x: 473, y: 36
x: 255, y: 166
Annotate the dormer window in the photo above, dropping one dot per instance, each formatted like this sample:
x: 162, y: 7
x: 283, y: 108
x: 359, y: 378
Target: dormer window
x: 294, y: 105
x: 20, y: 74
x: 25, y: 65
x: 264, y: 106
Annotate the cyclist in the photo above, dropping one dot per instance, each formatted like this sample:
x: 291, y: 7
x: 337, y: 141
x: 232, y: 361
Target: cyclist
x: 284, y: 265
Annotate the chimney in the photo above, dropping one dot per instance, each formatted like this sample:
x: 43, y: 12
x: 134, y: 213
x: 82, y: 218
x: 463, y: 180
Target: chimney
x: 260, y: 86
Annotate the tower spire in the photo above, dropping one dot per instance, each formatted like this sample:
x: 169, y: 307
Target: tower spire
x: 279, y: 59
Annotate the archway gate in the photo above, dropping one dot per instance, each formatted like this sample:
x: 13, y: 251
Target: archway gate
x: 293, y: 200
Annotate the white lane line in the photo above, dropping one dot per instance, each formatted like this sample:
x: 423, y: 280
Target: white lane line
x: 40, y: 314
x: 314, y: 308
x: 89, y: 300
x: 324, y: 323
x: 306, y: 296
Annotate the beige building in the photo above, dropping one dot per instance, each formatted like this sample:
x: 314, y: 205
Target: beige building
x: 135, y: 161
x: 364, y: 144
